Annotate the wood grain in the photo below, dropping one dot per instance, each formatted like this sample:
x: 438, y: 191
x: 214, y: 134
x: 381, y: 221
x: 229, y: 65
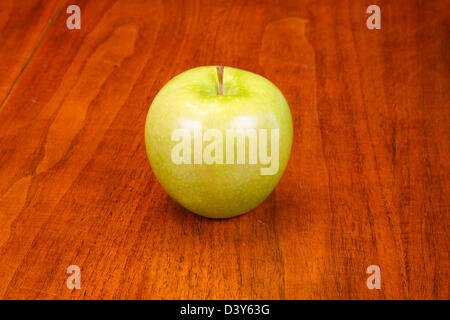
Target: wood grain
x: 367, y: 182
x: 22, y: 26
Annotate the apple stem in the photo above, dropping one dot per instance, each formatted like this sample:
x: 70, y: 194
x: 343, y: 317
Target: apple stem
x: 220, y: 76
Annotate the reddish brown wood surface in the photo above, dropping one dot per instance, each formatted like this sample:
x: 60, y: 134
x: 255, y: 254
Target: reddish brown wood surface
x: 367, y: 183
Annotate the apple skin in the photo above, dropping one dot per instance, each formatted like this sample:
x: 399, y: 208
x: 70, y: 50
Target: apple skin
x: 250, y: 101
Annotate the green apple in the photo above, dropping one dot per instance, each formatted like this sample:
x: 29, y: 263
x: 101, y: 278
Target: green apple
x: 219, y: 146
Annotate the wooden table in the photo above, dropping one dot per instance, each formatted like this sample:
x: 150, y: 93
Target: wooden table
x: 367, y: 182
